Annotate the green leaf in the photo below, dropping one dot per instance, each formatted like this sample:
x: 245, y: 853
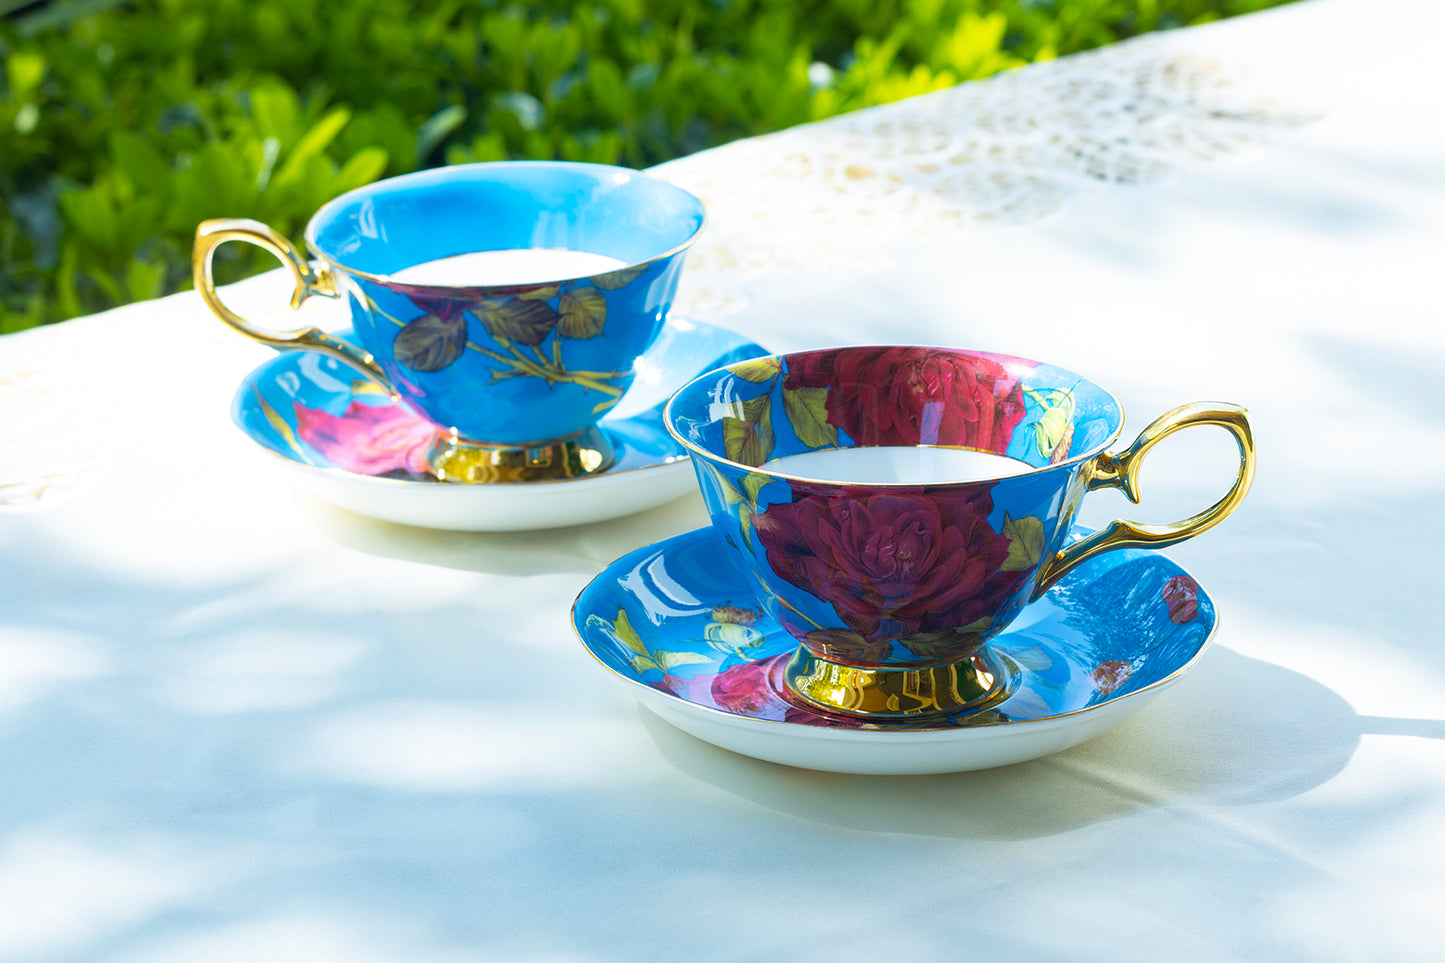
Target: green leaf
x: 643, y: 664
x: 430, y: 343
x: 609, y: 89
x: 613, y: 280
x: 513, y: 319
x: 363, y: 167
x: 749, y: 440
x: 141, y: 162
x: 24, y: 69
x: 276, y: 111
x: 527, y: 111
x: 756, y: 370
x: 671, y: 660
x: 753, y: 485
x: 627, y: 634
x: 437, y: 128
x: 312, y: 145
x: 807, y: 411
x: 584, y: 312
x: 145, y: 279
x: 1026, y: 542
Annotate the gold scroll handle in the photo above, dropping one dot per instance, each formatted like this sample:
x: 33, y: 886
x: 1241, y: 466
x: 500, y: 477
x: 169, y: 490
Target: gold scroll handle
x: 1121, y: 471
x: 310, y: 279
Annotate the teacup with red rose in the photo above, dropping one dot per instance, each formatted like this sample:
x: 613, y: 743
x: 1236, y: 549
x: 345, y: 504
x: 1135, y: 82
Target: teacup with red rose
x: 896, y: 507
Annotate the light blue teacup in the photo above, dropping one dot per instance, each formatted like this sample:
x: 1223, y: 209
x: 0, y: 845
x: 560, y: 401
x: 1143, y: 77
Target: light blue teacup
x: 506, y: 302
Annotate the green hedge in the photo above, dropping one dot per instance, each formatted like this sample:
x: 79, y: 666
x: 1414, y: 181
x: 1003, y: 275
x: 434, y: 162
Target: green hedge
x: 122, y: 125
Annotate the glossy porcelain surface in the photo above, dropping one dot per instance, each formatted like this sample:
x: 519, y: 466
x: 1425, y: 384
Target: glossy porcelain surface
x: 353, y: 445
x: 894, y: 587
x: 514, y: 364
x: 682, y: 629
x: 892, y: 575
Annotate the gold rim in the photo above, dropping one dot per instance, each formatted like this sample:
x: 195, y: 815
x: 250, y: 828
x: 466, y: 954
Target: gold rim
x: 722, y: 459
x: 386, y: 279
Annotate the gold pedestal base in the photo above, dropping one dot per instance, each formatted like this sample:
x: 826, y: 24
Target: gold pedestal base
x: 455, y: 459
x: 971, y: 685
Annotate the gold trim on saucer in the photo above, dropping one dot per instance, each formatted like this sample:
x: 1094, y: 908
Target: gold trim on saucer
x: 878, y: 695
x: 455, y: 459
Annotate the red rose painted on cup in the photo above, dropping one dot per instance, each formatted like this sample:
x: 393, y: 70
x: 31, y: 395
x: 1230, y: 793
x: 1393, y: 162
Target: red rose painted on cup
x: 913, y: 396
x: 893, y: 564
x: 894, y: 579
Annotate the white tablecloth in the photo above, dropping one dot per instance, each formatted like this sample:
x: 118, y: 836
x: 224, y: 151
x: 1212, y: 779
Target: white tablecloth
x: 238, y: 724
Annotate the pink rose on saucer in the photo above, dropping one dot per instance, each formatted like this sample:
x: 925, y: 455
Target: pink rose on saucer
x: 891, y: 563
x: 369, y: 440
x: 910, y: 396
x: 744, y: 689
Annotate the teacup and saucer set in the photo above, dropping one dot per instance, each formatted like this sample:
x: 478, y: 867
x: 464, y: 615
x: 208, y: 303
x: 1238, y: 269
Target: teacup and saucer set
x: 892, y: 580
x: 511, y: 346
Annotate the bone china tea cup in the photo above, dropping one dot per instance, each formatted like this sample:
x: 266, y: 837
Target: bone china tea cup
x: 895, y: 508
x: 506, y: 302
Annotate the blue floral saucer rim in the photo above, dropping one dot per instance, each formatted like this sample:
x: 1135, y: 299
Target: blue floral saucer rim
x: 651, y: 467
x: 1093, y: 651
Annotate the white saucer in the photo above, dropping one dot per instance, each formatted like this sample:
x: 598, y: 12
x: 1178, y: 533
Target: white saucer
x: 274, y: 400
x: 678, y: 625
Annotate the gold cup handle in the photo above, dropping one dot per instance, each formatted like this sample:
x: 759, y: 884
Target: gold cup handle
x: 1121, y: 471
x: 310, y: 279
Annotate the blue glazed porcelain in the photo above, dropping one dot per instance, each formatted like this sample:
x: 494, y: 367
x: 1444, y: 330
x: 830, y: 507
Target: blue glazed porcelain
x: 515, y: 366
x: 680, y: 627
x: 351, y: 444
x: 893, y: 582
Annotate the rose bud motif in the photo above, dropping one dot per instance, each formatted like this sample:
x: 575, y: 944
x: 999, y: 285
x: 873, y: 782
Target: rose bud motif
x: 1181, y: 595
x: 910, y: 396
x: 1108, y: 676
x: 893, y: 564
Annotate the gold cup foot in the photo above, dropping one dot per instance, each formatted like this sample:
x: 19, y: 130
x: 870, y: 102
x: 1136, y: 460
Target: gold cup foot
x: 967, y: 686
x: 455, y: 459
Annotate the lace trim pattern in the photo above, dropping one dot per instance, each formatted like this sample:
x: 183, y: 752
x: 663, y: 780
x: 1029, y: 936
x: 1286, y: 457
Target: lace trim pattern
x: 842, y: 195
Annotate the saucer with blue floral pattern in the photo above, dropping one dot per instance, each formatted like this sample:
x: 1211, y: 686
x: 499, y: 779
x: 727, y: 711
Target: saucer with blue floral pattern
x: 677, y: 624
x: 348, y: 442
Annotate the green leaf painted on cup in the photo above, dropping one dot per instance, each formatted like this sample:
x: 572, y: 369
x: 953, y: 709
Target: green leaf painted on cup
x: 430, y: 343
x: 544, y: 292
x: 749, y: 440
x: 807, y: 411
x: 522, y: 322
x: 619, y: 279
x: 756, y: 370
x: 1026, y: 542
x: 752, y: 485
x: 583, y: 311
x: 1054, y: 431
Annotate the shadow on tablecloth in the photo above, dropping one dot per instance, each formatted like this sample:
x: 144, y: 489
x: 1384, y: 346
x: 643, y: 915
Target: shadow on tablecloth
x: 1279, y: 735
